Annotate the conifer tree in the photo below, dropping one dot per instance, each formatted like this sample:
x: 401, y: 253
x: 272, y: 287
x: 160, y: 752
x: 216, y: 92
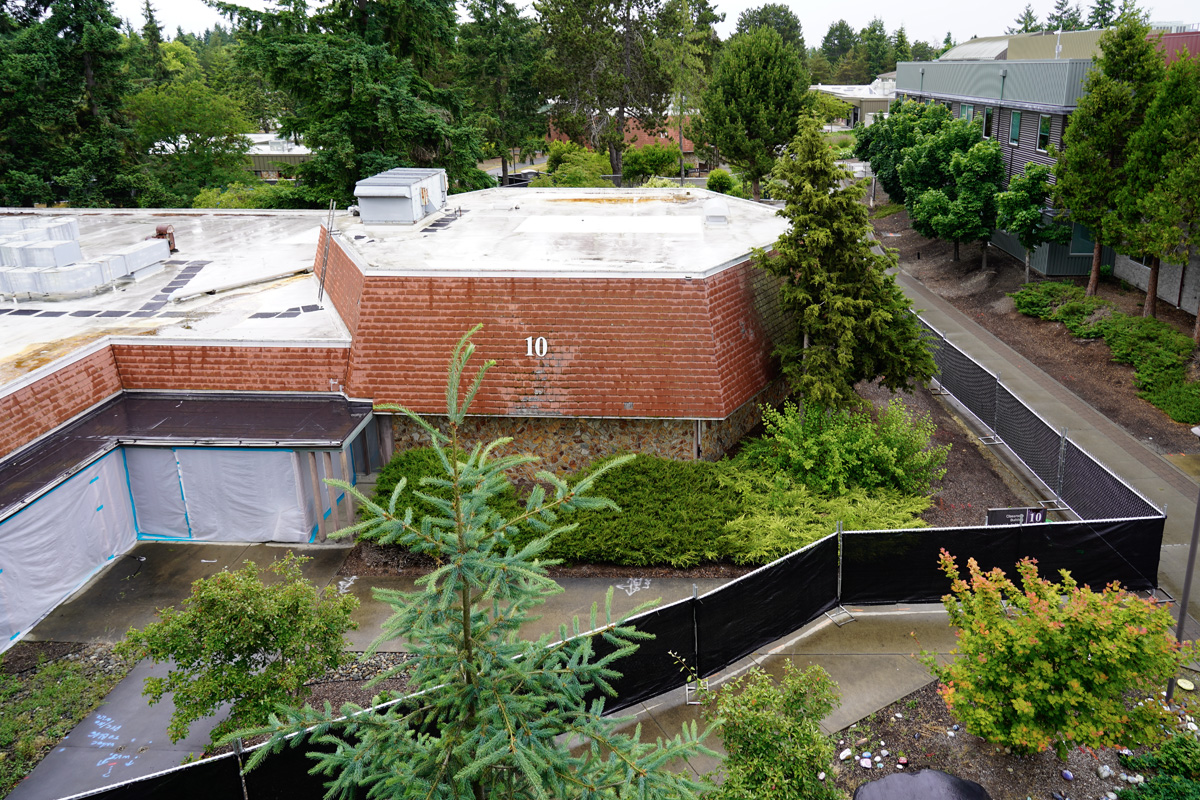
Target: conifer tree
x: 1026, y: 22
x: 1095, y: 144
x: 853, y: 322
x: 492, y: 706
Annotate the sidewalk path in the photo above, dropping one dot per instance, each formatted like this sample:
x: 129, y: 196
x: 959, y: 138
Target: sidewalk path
x: 1154, y: 476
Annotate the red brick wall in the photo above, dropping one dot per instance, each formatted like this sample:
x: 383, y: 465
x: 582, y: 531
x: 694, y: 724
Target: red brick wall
x: 47, y: 403
x: 632, y: 347
x: 343, y: 281
x: 231, y: 368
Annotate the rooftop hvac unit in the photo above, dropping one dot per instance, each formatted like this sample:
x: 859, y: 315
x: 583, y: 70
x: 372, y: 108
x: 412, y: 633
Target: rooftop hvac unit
x: 401, y: 196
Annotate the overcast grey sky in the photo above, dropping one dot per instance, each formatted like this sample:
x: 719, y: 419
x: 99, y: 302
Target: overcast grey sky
x: 925, y: 19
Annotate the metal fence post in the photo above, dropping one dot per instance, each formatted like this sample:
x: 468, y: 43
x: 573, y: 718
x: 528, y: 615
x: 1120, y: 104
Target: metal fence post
x: 1062, y: 462
x: 839, y: 583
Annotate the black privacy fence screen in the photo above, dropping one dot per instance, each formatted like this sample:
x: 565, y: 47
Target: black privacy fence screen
x: 1116, y: 538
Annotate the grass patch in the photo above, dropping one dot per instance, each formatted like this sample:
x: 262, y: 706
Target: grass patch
x: 39, y: 707
x: 840, y: 138
x: 886, y: 210
x: 1159, y: 354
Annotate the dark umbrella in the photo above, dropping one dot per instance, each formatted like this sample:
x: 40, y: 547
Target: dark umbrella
x: 928, y: 784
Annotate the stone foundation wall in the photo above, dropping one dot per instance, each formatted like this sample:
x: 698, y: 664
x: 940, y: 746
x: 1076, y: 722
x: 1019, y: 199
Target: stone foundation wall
x: 565, y: 444
x: 718, y: 436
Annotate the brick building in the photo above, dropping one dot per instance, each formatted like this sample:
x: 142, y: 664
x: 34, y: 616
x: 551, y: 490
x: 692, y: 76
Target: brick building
x: 207, y: 400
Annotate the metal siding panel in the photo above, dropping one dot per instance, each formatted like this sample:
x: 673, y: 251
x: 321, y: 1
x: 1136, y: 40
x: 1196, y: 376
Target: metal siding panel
x: 1052, y: 82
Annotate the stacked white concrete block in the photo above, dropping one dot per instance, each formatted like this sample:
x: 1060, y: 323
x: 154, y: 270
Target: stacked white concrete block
x: 41, y: 255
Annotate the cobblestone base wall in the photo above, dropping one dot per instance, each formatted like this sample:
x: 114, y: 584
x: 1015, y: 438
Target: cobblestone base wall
x: 565, y: 444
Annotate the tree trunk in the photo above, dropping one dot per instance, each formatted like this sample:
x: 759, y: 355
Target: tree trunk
x: 682, y: 166
x: 1196, y: 328
x: 757, y: 188
x: 504, y: 167
x: 1094, y: 279
x: 956, y: 251
x: 1028, y: 261
x: 1150, y: 309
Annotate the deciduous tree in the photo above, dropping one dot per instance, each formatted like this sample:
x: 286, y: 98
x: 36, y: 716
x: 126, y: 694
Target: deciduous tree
x: 964, y: 209
x: 777, y: 16
x: 884, y: 143
x: 494, y: 709
x: 853, y: 322
x: 240, y: 640
x: 1022, y: 212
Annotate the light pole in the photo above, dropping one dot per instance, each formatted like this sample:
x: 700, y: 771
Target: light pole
x: 1187, y: 584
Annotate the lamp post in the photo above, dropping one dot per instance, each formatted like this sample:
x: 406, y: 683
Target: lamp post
x: 1187, y: 583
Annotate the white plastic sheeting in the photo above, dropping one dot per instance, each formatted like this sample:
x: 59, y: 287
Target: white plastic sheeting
x: 322, y: 499
x: 157, y: 493
x: 48, y: 548
x: 214, y: 494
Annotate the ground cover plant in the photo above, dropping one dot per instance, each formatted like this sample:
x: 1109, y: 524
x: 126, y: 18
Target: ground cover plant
x: 1159, y: 354
x: 1175, y: 768
x: 492, y: 706
x: 785, y: 490
x: 41, y: 702
x: 1054, y: 665
x: 242, y: 640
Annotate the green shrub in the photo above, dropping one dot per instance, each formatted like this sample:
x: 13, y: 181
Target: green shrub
x: 242, y: 641
x: 558, y: 150
x: 248, y: 195
x: 1047, y: 664
x: 719, y: 181
x: 1041, y: 300
x: 576, y: 168
x: 416, y: 464
x: 1158, y: 353
x: 652, y: 159
x: 661, y: 182
x: 673, y: 513
x: 772, y: 734
x: 1177, y: 764
x: 833, y: 452
x: 780, y: 515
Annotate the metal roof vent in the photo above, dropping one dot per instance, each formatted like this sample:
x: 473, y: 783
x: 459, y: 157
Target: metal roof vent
x: 401, y: 196
x: 716, y: 211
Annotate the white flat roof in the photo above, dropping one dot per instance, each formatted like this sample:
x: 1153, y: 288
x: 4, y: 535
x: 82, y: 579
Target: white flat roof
x: 217, y: 250
x: 576, y: 233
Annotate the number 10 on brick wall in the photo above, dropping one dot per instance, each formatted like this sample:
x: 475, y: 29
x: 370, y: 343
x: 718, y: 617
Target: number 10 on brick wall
x: 536, y: 347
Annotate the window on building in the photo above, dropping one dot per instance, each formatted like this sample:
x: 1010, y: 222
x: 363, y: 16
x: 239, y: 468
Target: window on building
x: 1014, y: 127
x: 987, y: 123
x: 1043, y: 143
x: 966, y: 111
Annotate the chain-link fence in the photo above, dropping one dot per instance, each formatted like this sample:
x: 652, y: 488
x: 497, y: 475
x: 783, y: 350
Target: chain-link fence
x: 1071, y: 476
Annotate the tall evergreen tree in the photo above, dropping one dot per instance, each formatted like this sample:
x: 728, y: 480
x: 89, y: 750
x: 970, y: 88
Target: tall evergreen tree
x: 901, y: 49
x: 838, y: 40
x: 1119, y: 88
x: 854, y: 69
x: 819, y: 68
x: 1103, y: 14
x: 501, y: 55
x: 923, y: 51
x: 877, y: 48
x: 1026, y: 22
x: 853, y: 321
x: 1065, y: 17
x: 1161, y: 194
x: 496, y: 713
x: 603, y: 70
x: 153, y: 39
x: 364, y: 80
x: 751, y: 106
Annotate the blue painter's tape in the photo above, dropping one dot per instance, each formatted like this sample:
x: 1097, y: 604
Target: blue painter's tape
x: 114, y: 555
x: 93, y: 480
x: 328, y: 511
x: 100, y: 506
